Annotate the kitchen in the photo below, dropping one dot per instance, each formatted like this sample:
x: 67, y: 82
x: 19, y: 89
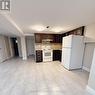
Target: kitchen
x: 49, y: 46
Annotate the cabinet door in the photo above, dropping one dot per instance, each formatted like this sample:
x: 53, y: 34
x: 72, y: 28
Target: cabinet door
x: 47, y: 36
x: 57, y: 55
x: 38, y: 38
x: 39, y: 57
x: 57, y: 38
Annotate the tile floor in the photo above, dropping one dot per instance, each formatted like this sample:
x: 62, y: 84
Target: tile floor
x: 19, y: 77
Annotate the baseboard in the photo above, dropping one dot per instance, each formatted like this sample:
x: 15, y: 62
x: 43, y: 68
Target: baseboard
x: 9, y: 57
x: 90, y: 90
x: 87, y: 69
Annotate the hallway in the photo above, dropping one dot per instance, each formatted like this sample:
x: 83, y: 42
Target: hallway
x: 19, y: 77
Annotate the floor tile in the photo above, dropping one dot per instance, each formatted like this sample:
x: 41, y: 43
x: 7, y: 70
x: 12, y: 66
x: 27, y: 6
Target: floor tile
x: 19, y: 77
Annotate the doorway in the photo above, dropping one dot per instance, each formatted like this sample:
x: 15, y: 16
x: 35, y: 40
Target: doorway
x: 15, y: 47
x: 30, y: 46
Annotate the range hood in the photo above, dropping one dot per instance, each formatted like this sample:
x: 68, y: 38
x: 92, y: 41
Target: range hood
x: 47, y: 40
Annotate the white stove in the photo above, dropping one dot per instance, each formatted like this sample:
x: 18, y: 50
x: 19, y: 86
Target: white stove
x: 47, y: 53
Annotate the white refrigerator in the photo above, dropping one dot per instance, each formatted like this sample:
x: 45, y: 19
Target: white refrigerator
x: 72, y: 52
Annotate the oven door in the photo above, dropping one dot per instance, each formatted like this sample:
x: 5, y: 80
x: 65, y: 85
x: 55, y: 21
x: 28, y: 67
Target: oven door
x: 47, y: 55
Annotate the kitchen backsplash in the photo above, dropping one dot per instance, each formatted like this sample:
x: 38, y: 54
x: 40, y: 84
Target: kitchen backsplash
x: 54, y: 46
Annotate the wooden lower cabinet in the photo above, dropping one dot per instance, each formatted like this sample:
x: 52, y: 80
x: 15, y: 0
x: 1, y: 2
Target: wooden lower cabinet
x: 57, y: 55
x: 39, y: 56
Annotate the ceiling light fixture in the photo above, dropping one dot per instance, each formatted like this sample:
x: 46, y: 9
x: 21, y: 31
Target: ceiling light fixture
x: 41, y: 28
x: 38, y: 27
x: 57, y: 29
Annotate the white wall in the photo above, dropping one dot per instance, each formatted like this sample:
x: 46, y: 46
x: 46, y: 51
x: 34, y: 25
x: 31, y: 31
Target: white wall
x: 23, y: 48
x: 30, y: 45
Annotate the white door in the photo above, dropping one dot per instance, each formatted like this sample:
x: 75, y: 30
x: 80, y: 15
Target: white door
x: 66, y: 56
x: 88, y: 55
x: 67, y: 41
x: 0, y: 50
x: 3, y: 54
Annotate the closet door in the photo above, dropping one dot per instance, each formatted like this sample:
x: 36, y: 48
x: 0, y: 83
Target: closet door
x: 1, y: 55
x: 3, y: 51
x: 88, y: 56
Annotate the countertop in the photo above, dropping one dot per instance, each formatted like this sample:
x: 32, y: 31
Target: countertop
x: 54, y: 46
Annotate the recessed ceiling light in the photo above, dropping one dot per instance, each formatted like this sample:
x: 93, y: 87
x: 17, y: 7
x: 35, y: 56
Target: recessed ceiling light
x: 57, y: 29
x: 46, y: 28
x: 38, y: 27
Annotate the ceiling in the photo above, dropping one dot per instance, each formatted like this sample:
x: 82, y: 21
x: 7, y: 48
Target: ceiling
x: 68, y: 14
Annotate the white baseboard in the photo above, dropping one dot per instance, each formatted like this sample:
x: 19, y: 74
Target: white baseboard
x: 87, y: 69
x: 90, y: 90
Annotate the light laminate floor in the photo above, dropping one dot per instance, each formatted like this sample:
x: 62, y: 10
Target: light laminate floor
x: 19, y: 77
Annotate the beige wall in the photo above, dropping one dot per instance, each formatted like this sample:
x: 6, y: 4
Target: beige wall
x: 90, y: 33
x: 90, y: 45
x: 91, y: 82
x: 5, y: 52
x: 7, y: 47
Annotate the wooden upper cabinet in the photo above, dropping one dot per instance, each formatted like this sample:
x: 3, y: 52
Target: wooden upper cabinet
x: 55, y: 38
x: 78, y: 31
x: 38, y: 38
x: 47, y: 36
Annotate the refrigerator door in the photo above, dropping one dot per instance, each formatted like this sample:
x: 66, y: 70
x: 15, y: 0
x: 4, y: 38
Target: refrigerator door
x: 77, y: 52
x: 66, y: 57
x: 67, y: 42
